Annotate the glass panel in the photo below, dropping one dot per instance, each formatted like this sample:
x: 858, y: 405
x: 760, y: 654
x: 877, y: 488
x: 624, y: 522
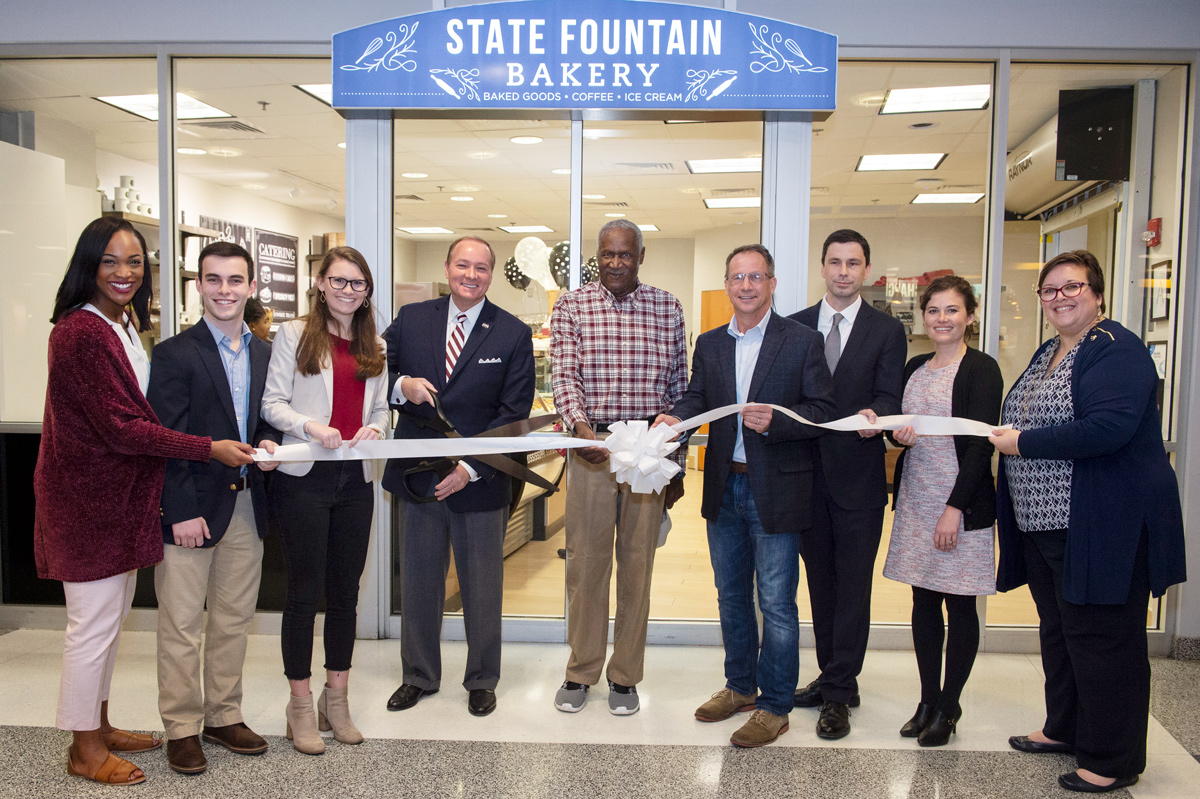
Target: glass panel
x: 912, y: 240
x: 668, y: 175
x: 476, y: 177
x: 62, y: 153
x: 262, y: 164
x: 1046, y: 215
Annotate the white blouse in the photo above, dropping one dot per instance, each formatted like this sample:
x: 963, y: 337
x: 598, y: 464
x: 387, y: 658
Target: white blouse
x: 133, y: 347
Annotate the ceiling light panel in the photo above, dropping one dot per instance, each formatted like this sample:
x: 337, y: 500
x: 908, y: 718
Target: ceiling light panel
x: 948, y: 198
x: 526, y: 229
x: 733, y: 202
x: 936, y: 98
x: 899, y: 162
x: 320, y: 91
x: 712, y: 166
x: 424, y: 231
x: 146, y: 106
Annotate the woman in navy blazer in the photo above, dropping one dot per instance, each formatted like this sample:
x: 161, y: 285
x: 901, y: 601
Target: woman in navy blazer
x: 1089, y: 515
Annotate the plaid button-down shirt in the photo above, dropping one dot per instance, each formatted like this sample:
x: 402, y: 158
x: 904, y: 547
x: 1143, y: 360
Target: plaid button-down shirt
x: 617, y: 359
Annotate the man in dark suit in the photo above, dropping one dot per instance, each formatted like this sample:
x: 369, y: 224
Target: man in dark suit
x: 757, y: 488
x: 865, y: 350
x: 208, y: 381
x: 479, y: 360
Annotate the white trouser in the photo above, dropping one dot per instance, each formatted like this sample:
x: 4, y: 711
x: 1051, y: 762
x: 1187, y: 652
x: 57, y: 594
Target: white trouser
x: 95, y: 611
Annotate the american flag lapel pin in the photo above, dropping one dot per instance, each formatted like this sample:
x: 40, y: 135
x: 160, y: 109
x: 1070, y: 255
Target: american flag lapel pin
x: 486, y: 325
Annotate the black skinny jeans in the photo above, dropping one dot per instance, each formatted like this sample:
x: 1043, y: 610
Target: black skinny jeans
x: 324, y: 522
x: 962, y: 643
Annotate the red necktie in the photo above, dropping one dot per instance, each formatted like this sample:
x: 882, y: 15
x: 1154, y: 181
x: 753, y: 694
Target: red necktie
x: 455, y: 344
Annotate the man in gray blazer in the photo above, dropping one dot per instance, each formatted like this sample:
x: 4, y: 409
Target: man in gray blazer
x: 757, y: 488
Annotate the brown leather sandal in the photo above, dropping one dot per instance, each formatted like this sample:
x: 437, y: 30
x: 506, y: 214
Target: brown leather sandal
x: 130, y: 742
x: 113, y: 771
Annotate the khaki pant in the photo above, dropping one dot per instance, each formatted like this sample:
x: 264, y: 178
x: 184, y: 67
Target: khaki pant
x: 596, y: 507
x: 227, y: 575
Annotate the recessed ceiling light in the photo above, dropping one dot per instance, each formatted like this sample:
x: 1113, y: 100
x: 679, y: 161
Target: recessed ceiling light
x: 526, y: 229
x: 254, y: 186
x: 497, y: 216
x: 526, y: 140
x: 681, y: 121
x: 481, y: 155
x: 424, y: 231
x: 734, y: 202
x: 615, y: 216
x: 936, y: 98
x: 342, y: 144
x: 899, y: 162
x: 466, y: 188
x: 146, y: 106
x: 319, y: 91
x: 709, y: 166
x: 224, y: 152
x: 461, y: 198
x: 190, y: 151
x: 561, y: 171
x: 966, y: 198
x: 414, y: 175
x: 648, y: 228
x: 594, y: 196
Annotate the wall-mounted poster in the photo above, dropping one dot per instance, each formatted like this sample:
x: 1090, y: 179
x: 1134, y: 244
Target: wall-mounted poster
x: 275, y: 256
x: 1160, y: 290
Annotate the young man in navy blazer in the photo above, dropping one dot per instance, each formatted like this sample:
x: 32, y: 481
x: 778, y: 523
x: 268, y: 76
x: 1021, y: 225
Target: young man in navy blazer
x: 208, y: 381
x: 757, y: 488
x: 865, y: 350
x: 478, y: 359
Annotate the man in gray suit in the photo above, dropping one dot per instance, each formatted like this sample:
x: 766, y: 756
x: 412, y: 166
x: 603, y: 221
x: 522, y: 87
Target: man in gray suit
x: 757, y: 488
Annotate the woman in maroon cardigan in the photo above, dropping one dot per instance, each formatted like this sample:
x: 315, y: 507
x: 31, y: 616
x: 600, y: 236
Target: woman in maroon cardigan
x: 98, y: 481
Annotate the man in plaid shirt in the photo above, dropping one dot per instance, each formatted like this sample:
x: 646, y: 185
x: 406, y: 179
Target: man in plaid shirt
x: 618, y: 352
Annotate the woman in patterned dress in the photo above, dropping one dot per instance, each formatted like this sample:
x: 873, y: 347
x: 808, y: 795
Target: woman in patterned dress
x: 1088, y: 515
x: 945, y: 506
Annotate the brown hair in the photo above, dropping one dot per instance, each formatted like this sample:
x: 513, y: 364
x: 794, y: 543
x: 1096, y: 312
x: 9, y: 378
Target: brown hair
x: 757, y: 248
x: 314, y: 347
x: 1095, y: 275
x: 461, y: 239
x: 847, y: 236
x: 227, y: 249
x: 964, y: 289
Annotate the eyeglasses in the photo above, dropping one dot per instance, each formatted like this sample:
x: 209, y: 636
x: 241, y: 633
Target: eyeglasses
x: 755, y: 277
x: 340, y: 283
x: 1048, y: 293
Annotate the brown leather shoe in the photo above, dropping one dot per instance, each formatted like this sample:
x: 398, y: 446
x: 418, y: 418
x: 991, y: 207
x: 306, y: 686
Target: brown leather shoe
x: 762, y: 728
x: 186, y: 756
x: 724, y: 703
x: 236, y: 738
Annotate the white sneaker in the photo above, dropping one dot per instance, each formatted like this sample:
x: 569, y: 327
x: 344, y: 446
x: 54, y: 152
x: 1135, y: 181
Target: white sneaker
x: 622, y: 699
x: 571, y: 697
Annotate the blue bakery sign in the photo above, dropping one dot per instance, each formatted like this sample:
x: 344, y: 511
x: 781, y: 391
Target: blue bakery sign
x: 571, y: 54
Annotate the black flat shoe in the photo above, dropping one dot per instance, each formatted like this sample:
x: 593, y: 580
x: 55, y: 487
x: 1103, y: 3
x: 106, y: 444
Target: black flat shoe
x: 810, y: 696
x: 834, y: 721
x: 482, y: 701
x: 407, y: 695
x: 939, y: 729
x: 1023, y: 743
x: 920, y: 720
x: 1073, y: 782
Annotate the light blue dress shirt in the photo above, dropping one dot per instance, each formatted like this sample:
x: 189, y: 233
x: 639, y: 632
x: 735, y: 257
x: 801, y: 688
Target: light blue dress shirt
x: 746, y: 348
x: 237, y: 371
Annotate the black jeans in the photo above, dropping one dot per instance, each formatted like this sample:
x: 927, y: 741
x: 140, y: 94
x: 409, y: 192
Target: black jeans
x: 324, y: 520
x: 1096, y: 662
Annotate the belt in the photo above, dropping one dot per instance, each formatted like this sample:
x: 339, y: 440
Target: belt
x: 602, y: 427
x: 738, y: 468
x: 239, y: 485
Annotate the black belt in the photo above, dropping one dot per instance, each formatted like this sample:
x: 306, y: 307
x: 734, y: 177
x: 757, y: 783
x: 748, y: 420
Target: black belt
x: 239, y: 485
x: 738, y: 468
x: 602, y: 427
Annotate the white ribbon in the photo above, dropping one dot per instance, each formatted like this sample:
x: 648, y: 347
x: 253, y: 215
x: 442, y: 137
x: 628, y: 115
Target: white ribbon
x: 637, y: 452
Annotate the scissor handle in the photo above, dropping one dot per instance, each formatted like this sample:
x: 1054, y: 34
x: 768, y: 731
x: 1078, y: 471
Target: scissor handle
x: 441, y: 467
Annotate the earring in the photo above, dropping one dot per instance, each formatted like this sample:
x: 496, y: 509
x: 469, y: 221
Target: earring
x: 321, y: 296
x: 367, y: 302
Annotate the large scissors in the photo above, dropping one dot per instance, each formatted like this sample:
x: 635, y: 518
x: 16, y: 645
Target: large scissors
x: 501, y: 463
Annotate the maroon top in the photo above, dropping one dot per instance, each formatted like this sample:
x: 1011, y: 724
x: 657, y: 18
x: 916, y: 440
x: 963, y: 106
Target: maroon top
x: 347, y: 416
x: 103, y: 456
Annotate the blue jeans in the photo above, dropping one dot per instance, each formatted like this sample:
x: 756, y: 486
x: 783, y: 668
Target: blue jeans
x: 742, y: 551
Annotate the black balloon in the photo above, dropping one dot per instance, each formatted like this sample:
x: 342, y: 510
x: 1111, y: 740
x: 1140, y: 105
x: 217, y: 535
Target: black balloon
x: 591, y: 270
x: 560, y: 263
x: 515, y: 277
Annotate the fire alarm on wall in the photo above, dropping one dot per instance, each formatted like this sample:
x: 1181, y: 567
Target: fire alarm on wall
x: 1153, y: 233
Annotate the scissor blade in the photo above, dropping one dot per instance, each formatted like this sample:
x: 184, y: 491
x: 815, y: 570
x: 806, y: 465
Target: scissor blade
x: 511, y: 467
x: 522, y: 427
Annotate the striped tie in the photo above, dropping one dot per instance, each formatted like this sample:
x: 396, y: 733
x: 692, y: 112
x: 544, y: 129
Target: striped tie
x: 455, y: 344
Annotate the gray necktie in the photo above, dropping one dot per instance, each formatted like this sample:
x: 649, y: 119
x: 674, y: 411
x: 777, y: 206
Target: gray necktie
x: 833, y: 343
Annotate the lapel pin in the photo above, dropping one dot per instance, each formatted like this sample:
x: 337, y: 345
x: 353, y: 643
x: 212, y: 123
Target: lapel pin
x: 485, y: 324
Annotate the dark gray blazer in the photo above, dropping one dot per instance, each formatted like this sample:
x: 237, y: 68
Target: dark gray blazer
x: 790, y: 372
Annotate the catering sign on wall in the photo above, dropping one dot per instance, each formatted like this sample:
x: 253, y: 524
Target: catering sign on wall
x: 603, y: 54
x: 275, y: 257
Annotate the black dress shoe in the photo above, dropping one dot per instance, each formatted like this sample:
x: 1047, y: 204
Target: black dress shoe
x: 407, y: 695
x: 1073, y: 782
x: 939, y: 729
x: 920, y: 720
x: 482, y: 701
x: 1023, y: 743
x: 810, y: 696
x: 186, y: 756
x: 834, y: 721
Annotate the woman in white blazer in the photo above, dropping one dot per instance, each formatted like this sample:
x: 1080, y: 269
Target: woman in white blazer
x: 327, y: 382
